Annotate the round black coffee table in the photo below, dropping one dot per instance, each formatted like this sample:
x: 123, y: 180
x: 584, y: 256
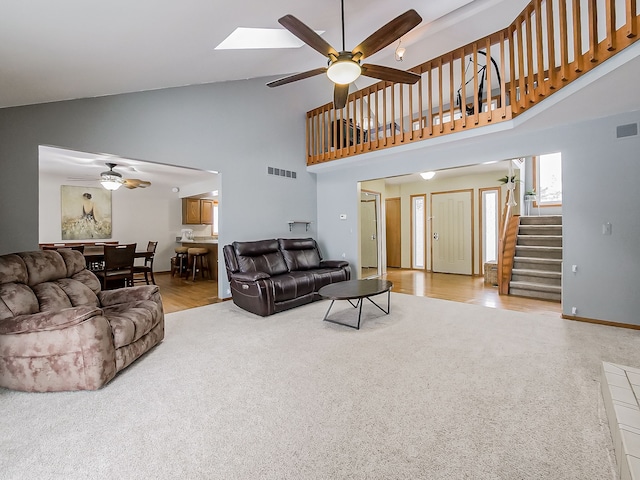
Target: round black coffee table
x: 356, y: 290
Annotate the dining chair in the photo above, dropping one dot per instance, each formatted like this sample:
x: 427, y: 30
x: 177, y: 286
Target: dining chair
x: 147, y: 267
x: 118, y: 265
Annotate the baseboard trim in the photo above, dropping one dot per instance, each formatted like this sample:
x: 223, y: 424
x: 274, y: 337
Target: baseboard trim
x: 601, y: 322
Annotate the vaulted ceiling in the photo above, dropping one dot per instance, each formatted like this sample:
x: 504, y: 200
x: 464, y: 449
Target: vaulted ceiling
x: 66, y: 49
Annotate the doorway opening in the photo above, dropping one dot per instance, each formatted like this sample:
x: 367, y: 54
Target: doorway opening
x: 370, y: 225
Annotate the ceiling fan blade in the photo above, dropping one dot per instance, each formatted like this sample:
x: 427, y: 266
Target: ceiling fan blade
x: 388, y: 34
x: 135, y: 183
x: 307, y: 35
x: 340, y: 94
x: 389, y: 74
x: 297, y: 76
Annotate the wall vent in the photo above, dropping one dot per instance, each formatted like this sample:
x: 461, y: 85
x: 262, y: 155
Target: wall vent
x: 629, y: 130
x: 281, y: 172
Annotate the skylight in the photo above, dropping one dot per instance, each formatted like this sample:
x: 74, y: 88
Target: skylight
x: 249, y: 38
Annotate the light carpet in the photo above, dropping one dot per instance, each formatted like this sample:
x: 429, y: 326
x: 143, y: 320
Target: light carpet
x: 435, y: 390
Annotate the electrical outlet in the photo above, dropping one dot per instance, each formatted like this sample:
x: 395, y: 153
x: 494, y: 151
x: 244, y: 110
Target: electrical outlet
x: 574, y: 310
x: 344, y: 255
x: 574, y: 268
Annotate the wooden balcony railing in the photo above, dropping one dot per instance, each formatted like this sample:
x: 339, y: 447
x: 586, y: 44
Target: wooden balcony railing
x: 550, y: 44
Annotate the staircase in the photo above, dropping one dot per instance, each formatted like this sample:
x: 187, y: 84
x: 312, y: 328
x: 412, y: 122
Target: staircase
x: 537, y: 265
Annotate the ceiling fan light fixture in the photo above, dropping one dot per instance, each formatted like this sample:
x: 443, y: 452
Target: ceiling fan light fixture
x: 111, y: 181
x: 344, y: 71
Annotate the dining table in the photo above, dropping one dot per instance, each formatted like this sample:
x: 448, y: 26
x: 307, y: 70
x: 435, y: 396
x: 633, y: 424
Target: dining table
x: 94, y: 255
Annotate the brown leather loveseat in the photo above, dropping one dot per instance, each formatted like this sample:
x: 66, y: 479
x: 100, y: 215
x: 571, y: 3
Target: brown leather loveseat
x: 60, y: 331
x: 269, y: 276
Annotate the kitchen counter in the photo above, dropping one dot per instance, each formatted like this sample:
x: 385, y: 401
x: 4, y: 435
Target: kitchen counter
x: 207, y: 240
x: 210, y: 244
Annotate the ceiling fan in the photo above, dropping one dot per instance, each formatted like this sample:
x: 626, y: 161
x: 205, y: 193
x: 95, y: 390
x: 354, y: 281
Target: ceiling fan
x: 113, y: 180
x: 344, y: 67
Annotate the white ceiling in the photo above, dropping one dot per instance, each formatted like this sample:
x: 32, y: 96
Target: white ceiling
x: 66, y: 49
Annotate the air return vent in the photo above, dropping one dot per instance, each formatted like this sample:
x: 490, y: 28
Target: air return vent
x: 629, y: 130
x: 281, y: 172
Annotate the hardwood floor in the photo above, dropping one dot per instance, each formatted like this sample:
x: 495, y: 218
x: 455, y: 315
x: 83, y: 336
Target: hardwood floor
x: 180, y: 294
x: 465, y: 289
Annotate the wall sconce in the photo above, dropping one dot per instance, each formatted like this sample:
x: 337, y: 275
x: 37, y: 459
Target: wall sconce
x: 428, y: 175
x: 400, y: 51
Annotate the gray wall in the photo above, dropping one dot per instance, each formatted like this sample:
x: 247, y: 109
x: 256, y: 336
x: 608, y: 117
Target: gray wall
x: 600, y: 176
x: 237, y: 128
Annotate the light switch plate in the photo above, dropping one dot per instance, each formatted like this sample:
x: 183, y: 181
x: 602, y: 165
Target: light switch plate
x: 606, y: 228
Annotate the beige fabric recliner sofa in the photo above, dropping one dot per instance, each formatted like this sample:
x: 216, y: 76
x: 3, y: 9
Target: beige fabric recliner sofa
x: 59, y: 331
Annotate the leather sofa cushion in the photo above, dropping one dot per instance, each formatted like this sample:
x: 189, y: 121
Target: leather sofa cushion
x: 326, y: 276
x: 292, y: 285
x: 300, y: 253
x: 260, y: 256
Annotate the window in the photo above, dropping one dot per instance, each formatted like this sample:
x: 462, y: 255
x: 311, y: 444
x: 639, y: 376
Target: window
x: 548, y: 179
x: 418, y: 232
x: 490, y: 202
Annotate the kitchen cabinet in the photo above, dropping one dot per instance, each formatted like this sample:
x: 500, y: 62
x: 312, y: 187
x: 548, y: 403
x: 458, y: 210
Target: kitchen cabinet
x: 196, y: 211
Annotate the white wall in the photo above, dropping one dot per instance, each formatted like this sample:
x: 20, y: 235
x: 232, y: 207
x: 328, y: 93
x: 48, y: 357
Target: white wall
x: 138, y: 216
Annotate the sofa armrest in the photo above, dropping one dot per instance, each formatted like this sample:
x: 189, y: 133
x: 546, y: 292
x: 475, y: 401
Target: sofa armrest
x: 334, y: 263
x: 249, y: 276
x: 127, y: 295
x: 43, y: 321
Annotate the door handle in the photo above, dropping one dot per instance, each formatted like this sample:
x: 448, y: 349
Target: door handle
x: 436, y: 236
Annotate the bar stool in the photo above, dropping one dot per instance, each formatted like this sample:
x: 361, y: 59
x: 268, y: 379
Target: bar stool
x: 181, y: 261
x: 199, y: 258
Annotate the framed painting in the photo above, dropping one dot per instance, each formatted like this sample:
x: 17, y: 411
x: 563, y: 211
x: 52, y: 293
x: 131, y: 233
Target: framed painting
x: 85, y: 212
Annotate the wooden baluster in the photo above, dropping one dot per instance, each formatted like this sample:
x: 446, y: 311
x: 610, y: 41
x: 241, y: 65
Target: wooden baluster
x: 420, y: 106
x: 521, y: 77
x: 361, y: 131
x: 410, y: 88
x: 440, y: 96
x: 476, y: 100
x: 369, y: 120
x: 593, y: 30
x: 452, y: 125
x: 463, y: 90
x: 564, y: 42
x: 542, y: 88
x: 513, y: 80
x: 392, y: 89
x: 551, y: 50
x: 577, y: 36
x: 632, y: 29
x: 530, y: 64
x: 610, y: 6
x: 375, y: 116
x: 503, y: 87
x: 488, y: 73
x: 401, y: 99
x: 322, y: 124
x: 430, y: 100
x: 384, y: 114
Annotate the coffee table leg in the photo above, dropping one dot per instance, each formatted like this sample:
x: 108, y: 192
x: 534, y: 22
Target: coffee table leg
x: 388, y: 303
x: 358, y: 304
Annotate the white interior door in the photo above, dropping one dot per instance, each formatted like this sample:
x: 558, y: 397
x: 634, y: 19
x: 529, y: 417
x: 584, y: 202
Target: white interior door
x: 451, y: 233
x: 368, y: 239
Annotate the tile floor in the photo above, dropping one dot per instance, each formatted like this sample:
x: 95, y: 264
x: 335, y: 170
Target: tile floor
x: 621, y: 390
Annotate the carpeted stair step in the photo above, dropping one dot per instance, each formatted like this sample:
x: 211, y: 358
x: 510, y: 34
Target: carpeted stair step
x: 545, y: 264
x: 541, y: 220
x: 540, y: 230
x: 538, y: 252
x: 536, y: 276
x: 540, y: 240
x: 535, y: 290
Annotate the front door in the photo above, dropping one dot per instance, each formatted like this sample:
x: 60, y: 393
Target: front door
x: 392, y: 228
x: 451, y: 237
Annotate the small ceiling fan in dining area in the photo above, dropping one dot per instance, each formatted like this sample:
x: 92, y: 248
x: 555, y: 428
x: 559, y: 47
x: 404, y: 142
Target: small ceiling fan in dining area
x: 344, y: 66
x: 112, y: 180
